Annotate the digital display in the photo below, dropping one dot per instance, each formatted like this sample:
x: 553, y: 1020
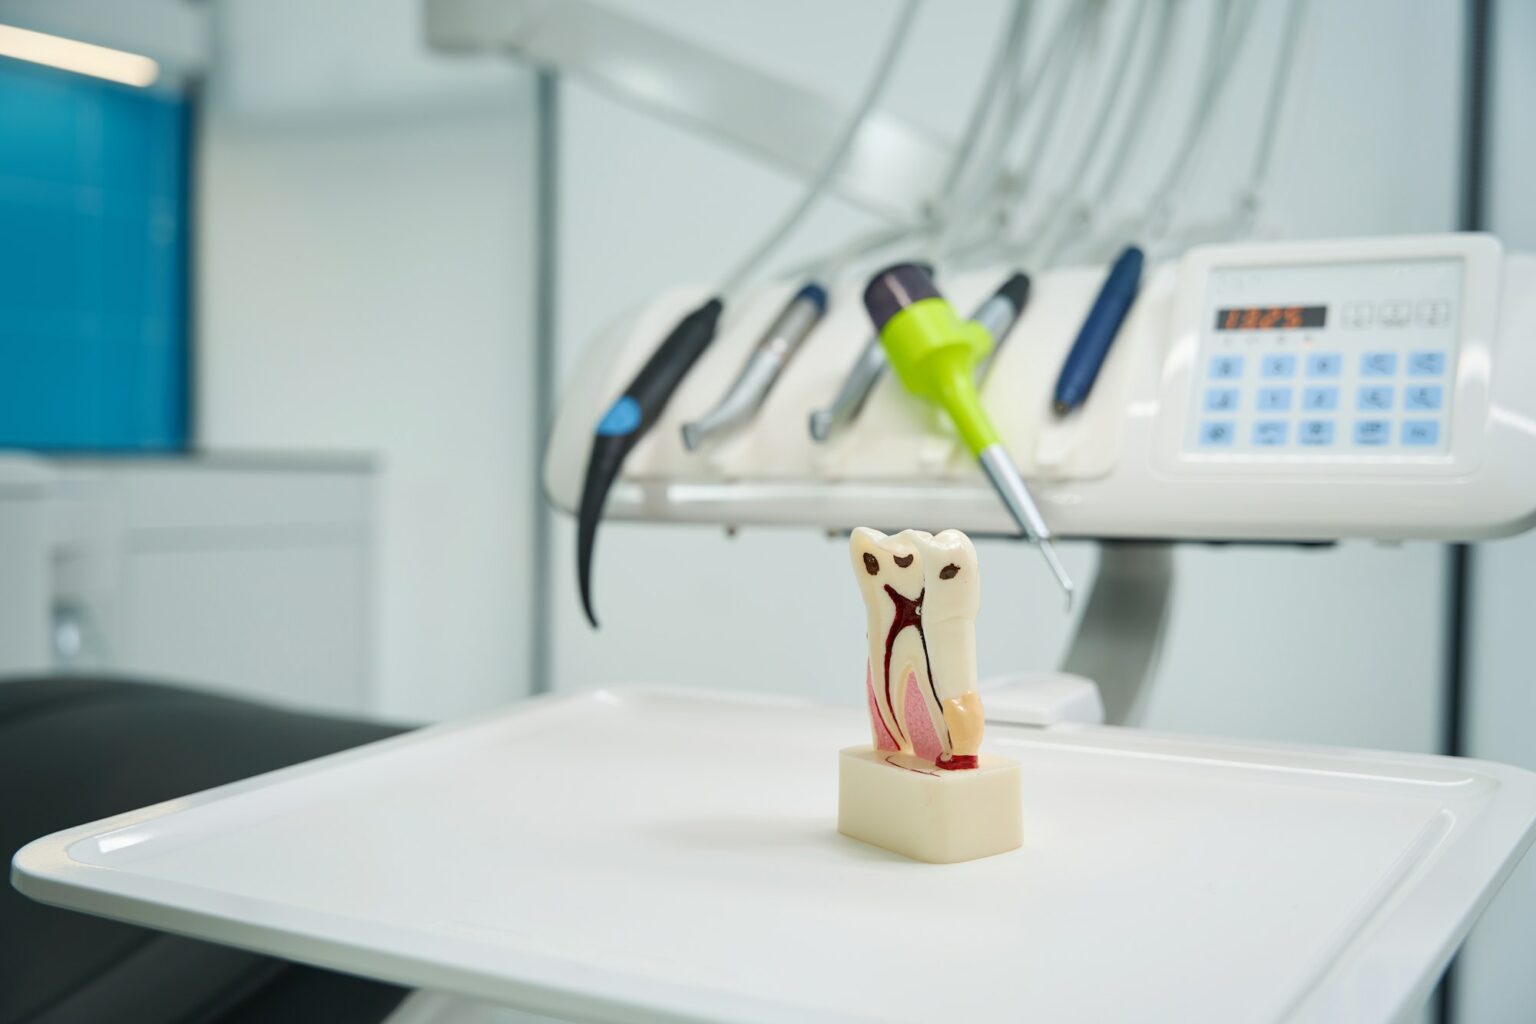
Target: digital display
x: 1271, y: 318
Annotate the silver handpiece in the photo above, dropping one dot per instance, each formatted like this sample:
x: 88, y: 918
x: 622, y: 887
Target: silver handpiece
x: 1009, y: 484
x: 998, y: 315
x: 856, y: 387
x: 768, y: 359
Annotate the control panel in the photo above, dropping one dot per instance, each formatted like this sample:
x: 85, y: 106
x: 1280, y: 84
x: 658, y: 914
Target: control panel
x: 1327, y: 360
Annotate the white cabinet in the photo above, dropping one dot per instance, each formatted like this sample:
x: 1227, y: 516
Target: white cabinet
x: 249, y: 575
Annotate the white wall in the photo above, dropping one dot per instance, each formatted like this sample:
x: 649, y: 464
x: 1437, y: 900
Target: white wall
x: 364, y: 255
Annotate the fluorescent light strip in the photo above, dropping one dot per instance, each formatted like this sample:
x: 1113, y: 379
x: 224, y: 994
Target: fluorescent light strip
x: 73, y: 55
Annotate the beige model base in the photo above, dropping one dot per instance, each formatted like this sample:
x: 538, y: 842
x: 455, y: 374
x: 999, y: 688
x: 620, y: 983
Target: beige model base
x: 907, y: 806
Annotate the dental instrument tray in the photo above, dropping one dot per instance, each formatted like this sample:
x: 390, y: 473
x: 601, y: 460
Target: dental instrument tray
x: 647, y: 855
x: 1376, y: 388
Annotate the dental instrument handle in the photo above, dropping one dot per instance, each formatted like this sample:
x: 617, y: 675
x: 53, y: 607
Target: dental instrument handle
x: 861, y: 380
x: 628, y: 419
x: 934, y: 354
x: 769, y: 357
x: 1098, y: 333
x: 1002, y: 473
x: 999, y: 313
x: 866, y: 372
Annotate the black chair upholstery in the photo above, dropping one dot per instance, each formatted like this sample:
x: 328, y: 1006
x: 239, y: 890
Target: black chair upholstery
x: 75, y: 749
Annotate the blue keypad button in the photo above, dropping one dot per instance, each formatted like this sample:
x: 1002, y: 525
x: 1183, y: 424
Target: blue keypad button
x: 1278, y: 366
x: 1217, y: 433
x: 1324, y: 364
x: 1421, y: 432
x: 1227, y: 367
x: 1315, y: 432
x: 1320, y: 399
x: 1372, y: 432
x: 1424, y: 398
x: 1274, y: 399
x: 1270, y: 432
x: 1373, y: 399
x: 1221, y: 399
x: 1426, y: 364
x: 1378, y: 364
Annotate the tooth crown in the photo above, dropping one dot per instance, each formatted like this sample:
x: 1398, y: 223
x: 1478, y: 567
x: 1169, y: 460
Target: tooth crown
x: 895, y: 558
x: 921, y: 593
x: 951, y: 578
x: 951, y: 599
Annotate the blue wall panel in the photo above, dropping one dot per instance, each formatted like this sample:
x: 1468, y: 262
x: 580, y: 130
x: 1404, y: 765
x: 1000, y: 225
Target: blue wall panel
x: 93, y: 264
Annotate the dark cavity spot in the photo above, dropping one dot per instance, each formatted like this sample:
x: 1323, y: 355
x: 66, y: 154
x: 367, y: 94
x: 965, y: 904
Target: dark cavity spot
x: 871, y: 564
x: 949, y: 572
x: 903, y: 560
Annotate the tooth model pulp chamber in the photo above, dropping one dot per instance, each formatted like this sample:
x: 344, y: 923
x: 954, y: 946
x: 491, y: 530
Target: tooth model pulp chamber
x: 922, y: 788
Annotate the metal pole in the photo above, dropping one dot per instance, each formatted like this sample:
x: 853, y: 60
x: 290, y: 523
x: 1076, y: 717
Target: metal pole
x: 546, y: 253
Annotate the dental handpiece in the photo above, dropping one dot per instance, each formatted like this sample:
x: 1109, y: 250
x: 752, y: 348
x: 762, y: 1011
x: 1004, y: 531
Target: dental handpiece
x: 861, y: 380
x: 628, y: 419
x: 934, y: 354
x: 997, y: 314
x: 768, y: 359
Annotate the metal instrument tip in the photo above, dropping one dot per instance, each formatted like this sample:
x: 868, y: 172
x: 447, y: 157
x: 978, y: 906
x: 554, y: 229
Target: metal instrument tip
x: 1048, y: 552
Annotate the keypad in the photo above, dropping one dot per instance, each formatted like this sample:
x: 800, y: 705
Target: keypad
x: 1315, y: 432
x: 1426, y: 364
x: 1373, y: 399
x: 1373, y: 432
x: 1269, y: 433
x: 1226, y: 367
x: 1325, y: 401
x: 1283, y: 365
x: 1274, y: 399
x: 1217, y: 433
x: 1378, y: 364
x: 1324, y: 364
x: 1221, y: 400
x: 1320, y: 399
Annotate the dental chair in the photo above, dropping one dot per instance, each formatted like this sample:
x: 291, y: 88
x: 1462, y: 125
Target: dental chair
x: 76, y: 749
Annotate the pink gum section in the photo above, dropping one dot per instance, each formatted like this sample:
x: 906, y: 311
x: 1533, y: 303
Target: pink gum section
x: 883, y: 738
x: 925, y: 741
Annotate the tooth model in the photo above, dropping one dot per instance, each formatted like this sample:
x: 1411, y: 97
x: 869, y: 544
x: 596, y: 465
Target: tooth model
x: 922, y: 788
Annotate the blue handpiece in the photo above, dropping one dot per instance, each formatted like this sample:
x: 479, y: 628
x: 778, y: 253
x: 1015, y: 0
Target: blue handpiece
x: 1098, y: 332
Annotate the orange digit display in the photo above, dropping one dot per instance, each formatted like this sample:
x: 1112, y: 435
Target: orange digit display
x: 1271, y: 318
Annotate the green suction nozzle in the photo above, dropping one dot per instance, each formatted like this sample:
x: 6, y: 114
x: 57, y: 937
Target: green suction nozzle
x: 934, y: 352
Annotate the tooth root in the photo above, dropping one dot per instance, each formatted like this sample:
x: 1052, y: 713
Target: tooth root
x: 895, y: 644
x: 951, y: 600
